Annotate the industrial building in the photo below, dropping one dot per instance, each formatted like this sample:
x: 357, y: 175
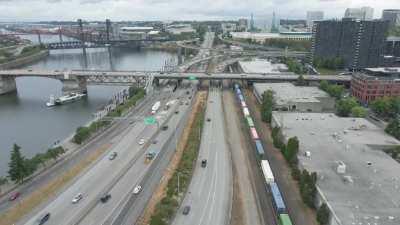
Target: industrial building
x: 180, y: 29
x: 261, y: 37
x: 131, y: 33
x: 358, y: 43
x: 262, y: 66
x: 289, y: 97
x: 357, y: 180
x: 373, y: 83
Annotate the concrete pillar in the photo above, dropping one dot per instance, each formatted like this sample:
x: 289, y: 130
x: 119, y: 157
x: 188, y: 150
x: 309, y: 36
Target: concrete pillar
x: 7, y: 84
x: 180, y: 60
x: 156, y: 81
x: 74, y: 85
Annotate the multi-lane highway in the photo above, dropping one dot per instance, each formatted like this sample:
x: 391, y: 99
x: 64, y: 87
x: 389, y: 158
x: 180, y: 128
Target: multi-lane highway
x: 109, y: 175
x: 210, y: 191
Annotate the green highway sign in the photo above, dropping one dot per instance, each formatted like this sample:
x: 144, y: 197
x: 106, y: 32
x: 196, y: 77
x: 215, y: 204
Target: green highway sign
x: 192, y: 78
x: 149, y: 120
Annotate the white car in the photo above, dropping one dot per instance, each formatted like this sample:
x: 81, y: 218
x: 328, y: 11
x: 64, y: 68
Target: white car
x: 141, y: 141
x: 77, y: 198
x: 137, y: 189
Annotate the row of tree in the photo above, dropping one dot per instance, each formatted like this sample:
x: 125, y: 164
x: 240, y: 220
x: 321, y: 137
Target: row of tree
x: 344, y: 106
x: 21, y: 167
x: 332, y: 63
x: 386, y: 107
x: 393, y: 128
x: 294, y: 65
x: 295, y: 45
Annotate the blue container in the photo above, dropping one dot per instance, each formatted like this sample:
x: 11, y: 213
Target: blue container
x: 277, y: 199
x: 241, y: 97
x: 237, y: 86
x: 259, y: 148
x: 238, y: 92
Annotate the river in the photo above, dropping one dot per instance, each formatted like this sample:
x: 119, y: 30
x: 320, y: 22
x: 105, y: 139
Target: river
x: 24, y: 118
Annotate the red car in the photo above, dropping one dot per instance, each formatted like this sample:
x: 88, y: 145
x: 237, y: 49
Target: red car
x: 14, y: 196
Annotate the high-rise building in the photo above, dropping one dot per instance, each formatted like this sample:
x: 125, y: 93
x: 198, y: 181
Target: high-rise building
x: 392, y: 15
x: 243, y: 25
x: 358, y: 43
x: 252, y: 27
x: 363, y: 13
x: 314, y: 16
x: 274, y: 28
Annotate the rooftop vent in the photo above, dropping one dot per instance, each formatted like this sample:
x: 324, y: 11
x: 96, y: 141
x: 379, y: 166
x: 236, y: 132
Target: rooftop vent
x: 341, y: 168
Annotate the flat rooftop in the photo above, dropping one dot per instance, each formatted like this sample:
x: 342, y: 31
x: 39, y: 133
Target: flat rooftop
x: 262, y: 66
x: 368, y: 193
x: 288, y: 92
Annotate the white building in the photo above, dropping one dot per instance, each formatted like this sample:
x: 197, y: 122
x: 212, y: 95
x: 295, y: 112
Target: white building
x: 357, y: 180
x: 261, y: 37
x: 314, y: 16
x: 363, y: 13
x: 262, y: 66
x: 131, y: 33
x: 289, y: 97
x: 228, y: 27
x: 180, y: 28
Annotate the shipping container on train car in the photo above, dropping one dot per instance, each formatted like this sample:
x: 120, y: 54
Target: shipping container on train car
x: 249, y: 121
x: 277, y: 199
x: 238, y: 92
x: 243, y: 103
x: 266, y: 169
x: 246, y: 111
x: 254, y: 133
x: 259, y: 148
x: 284, y: 219
x: 237, y: 86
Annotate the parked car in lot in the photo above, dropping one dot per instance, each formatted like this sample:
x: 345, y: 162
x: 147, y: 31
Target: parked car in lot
x: 137, y: 189
x: 186, y: 210
x: 43, y: 218
x: 14, y: 196
x: 105, y: 198
x: 77, y: 198
x: 204, y: 163
x: 112, y: 156
x: 165, y: 127
x: 208, y: 119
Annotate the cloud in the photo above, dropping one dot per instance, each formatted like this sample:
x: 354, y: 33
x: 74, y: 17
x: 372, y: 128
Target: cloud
x: 37, y: 10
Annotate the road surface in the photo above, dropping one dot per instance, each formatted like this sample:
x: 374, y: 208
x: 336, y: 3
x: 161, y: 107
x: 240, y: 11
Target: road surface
x: 210, y: 191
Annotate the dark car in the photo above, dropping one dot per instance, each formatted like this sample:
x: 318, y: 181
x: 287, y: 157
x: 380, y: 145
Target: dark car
x: 164, y: 127
x: 105, y: 198
x: 186, y: 210
x: 44, y: 218
x: 204, y: 163
x: 14, y: 196
x: 208, y: 119
x: 176, y: 112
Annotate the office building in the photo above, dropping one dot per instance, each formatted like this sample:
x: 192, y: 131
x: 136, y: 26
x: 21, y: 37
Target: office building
x: 243, y: 24
x: 373, y: 83
x: 314, y: 16
x: 392, y: 15
x: 359, y: 43
x: 363, y: 13
x: 228, y: 27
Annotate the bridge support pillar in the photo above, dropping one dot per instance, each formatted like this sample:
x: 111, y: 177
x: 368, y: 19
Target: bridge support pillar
x: 180, y: 57
x: 7, y: 85
x: 156, y: 82
x: 74, y: 85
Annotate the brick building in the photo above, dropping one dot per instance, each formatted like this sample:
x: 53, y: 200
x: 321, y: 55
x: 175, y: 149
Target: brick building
x: 373, y: 83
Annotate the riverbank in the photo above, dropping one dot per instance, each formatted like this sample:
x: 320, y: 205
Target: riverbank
x: 24, y: 60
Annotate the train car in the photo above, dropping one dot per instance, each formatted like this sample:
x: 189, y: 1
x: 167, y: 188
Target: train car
x: 246, y: 111
x: 254, y: 133
x: 284, y: 219
x: 277, y: 199
x: 237, y: 86
x: 259, y: 148
x: 238, y: 92
x: 249, y: 121
x: 241, y: 97
x: 266, y: 169
x: 243, y: 103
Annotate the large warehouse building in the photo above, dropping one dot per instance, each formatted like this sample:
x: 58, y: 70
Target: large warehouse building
x: 289, y: 97
x: 359, y: 182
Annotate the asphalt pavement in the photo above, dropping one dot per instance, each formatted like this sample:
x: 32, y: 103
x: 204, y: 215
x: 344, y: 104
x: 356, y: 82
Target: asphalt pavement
x: 210, y: 191
x: 102, y: 174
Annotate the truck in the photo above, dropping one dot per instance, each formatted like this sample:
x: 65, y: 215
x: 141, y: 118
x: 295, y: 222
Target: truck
x: 155, y: 107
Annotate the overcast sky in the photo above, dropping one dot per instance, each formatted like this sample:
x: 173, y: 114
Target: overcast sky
x: 36, y: 10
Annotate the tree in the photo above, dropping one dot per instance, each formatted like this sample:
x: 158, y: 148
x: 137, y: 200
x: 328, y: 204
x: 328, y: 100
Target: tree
x: 301, y: 81
x: 291, y: 150
x: 324, y: 85
x: 323, y: 214
x: 3, y: 180
x: 344, y: 106
x: 358, y: 111
x: 393, y: 128
x: 267, y: 106
x: 17, y: 170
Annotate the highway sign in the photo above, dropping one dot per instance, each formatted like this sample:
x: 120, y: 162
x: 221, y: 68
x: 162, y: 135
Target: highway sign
x: 149, y: 120
x: 192, y: 78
